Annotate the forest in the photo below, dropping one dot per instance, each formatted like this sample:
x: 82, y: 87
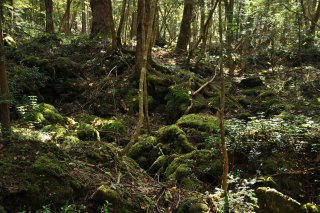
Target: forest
x: 159, y: 106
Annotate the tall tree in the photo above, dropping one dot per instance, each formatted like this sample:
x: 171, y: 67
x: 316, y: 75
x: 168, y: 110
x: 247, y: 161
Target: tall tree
x: 102, y: 20
x: 224, y: 184
x: 49, y: 16
x: 4, y: 89
x: 146, y: 16
x: 185, y: 27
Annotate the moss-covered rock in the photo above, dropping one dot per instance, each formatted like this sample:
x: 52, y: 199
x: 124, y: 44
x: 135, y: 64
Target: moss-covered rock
x: 193, y: 205
x: 110, y: 129
x: 64, y: 66
x: 310, y: 208
x: 178, y: 101
x: 48, y: 164
x: 158, y: 164
x: 144, y: 152
x: 202, y: 122
x: 175, y: 138
x: 85, y: 118
x: 271, y: 200
x: 105, y: 193
x: 87, y: 132
x: 44, y: 114
x: 58, y: 131
x: 193, y: 168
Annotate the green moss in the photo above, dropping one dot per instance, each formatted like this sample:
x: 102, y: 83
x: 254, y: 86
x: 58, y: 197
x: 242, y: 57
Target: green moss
x: 44, y: 114
x: 59, y: 132
x: 110, y: 129
x: 310, y: 208
x: 200, y: 165
x: 45, y: 189
x: 36, y: 118
x: 203, y: 122
x: 158, y: 164
x: 178, y: 101
x: 48, y: 164
x: 87, y: 132
x: 65, y: 66
x: 85, y: 118
x: 54, y: 117
x: 175, y: 137
x: 104, y: 193
x: 270, y: 200
x: 144, y: 151
x: 193, y: 205
x: 144, y: 144
x: 192, y: 184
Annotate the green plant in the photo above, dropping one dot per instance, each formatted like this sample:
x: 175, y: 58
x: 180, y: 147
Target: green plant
x: 240, y: 197
x: 105, y: 207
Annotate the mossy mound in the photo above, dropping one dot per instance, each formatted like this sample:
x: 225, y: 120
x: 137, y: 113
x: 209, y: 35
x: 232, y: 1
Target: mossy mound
x: 178, y: 101
x: 48, y: 164
x: 175, y: 139
x: 57, y: 131
x: 193, y: 205
x: 64, y: 66
x: 84, y: 118
x: 110, y: 129
x: 198, y: 127
x: 270, y: 200
x: 44, y: 114
x: 310, y: 208
x: 194, y: 169
x: 202, y: 122
x: 87, y: 132
x: 144, y: 152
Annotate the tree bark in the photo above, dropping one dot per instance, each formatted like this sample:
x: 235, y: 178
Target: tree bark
x: 224, y: 184
x: 65, y: 23
x: 49, y: 17
x: 146, y: 11
x: 185, y: 28
x: 121, y: 23
x: 4, y: 88
x: 84, y: 17
x: 102, y: 20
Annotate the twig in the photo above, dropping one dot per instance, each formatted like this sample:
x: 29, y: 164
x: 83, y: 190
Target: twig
x: 199, y: 90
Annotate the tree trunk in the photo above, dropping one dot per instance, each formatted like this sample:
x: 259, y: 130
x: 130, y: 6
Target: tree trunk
x: 49, y: 17
x: 84, y: 17
x: 146, y: 11
x: 134, y: 21
x: 102, y: 20
x: 65, y: 23
x: 224, y: 184
x: 185, y: 27
x: 121, y: 23
x: 4, y: 88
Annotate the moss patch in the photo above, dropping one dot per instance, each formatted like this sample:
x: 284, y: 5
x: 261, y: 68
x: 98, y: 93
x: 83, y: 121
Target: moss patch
x: 175, y: 138
x: 270, y: 200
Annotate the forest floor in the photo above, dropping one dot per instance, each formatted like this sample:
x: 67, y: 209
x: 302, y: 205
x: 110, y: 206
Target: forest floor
x: 78, y: 109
